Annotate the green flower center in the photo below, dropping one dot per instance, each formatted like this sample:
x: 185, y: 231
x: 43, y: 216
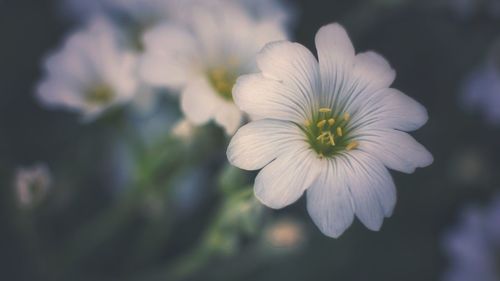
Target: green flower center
x: 327, y: 133
x: 100, y: 95
x: 223, y: 80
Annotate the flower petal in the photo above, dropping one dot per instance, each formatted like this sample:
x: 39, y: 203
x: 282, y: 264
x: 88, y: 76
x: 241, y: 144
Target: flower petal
x: 262, y: 97
x: 371, y: 186
x: 284, y: 180
x: 371, y: 72
x: 374, y: 70
x: 389, y: 109
x: 336, y: 59
x: 295, y: 67
x: 396, y: 150
x: 170, y: 57
x: 260, y: 142
x: 228, y: 116
x: 199, y: 101
x: 329, y: 201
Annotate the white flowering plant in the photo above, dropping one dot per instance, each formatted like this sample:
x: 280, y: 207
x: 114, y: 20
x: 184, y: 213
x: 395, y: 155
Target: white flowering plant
x: 220, y: 136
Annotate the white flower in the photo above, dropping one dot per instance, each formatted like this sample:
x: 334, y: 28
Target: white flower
x: 331, y: 128
x: 473, y: 246
x: 203, y: 56
x: 31, y: 184
x: 90, y: 73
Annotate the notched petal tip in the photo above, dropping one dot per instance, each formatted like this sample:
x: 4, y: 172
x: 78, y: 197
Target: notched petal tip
x: 374, y: 70
x: 333, y: 28
x: 326, y: 227
x: 334, y: 38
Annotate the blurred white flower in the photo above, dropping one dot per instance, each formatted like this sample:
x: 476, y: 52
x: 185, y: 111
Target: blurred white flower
x: 203, y: 56
x: 330, y: 128
x: 481, y: 90
x: 32, y: 184
x: 473, y: 246
x: 90, y: 73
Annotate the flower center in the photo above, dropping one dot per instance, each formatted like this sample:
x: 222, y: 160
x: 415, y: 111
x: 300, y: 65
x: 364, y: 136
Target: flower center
x: 327, y: 133
x: 99, y: 95
x: 223, y: 81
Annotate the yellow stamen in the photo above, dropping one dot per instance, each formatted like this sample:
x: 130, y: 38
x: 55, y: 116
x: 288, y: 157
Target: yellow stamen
x: 331, y: 121
x: 339, y: 131
x: 347, y: 116
x: 352, y: 145
x: 325, y: 110
x: 307, y: 123
x: 332, y: 141
x: 322, y: 136
x: 321, y: 123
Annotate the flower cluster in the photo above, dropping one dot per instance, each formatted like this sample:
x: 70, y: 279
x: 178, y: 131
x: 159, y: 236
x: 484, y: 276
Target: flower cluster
x: 331, y: 126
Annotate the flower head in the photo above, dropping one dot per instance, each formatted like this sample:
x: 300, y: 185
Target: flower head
x: 90, y: 73
x: 203, y: 54
x: 331, y: 128
x: 473, y: 246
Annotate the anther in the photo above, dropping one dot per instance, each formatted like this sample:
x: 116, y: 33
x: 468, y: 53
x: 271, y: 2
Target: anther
x: 320, y: 137
x: 325, y: 110
x: 347, y: 116
x: 339, y: 131
x: 332, y: 141
x: 352, y: 145
x: 321, y: 123
x: 331, y: 121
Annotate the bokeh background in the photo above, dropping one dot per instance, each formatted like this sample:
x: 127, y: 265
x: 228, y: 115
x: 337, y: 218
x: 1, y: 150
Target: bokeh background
x: 82, y: 232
